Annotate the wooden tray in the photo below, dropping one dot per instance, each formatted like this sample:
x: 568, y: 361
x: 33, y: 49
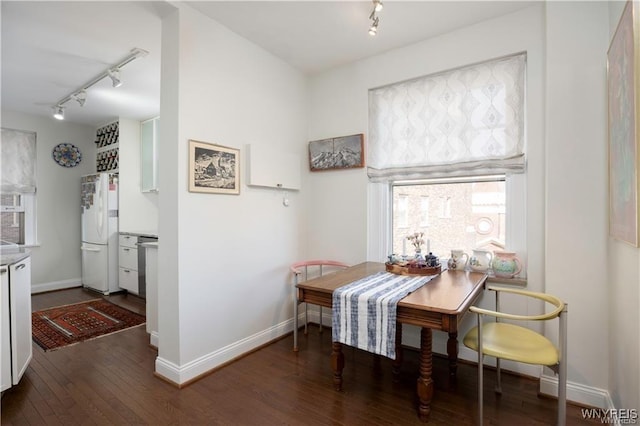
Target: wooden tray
x: 406, y: 270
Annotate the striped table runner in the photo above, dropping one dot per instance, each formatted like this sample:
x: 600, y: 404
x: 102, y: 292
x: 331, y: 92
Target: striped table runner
x: 364, y: 312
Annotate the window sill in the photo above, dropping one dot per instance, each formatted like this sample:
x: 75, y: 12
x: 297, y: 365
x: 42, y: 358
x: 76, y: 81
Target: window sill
x: 516, y: 282
x: 28, y: 246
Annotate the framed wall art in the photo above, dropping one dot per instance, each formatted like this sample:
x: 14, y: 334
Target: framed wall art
x: 344, y: 152
x: 213, y: 168
x: 623, y: 77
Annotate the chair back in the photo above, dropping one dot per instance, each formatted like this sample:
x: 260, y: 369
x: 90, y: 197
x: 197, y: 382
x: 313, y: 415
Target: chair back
x: 307, y: 269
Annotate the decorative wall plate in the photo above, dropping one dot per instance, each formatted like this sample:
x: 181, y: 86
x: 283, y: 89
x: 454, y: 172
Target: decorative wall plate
x: 67, y: 155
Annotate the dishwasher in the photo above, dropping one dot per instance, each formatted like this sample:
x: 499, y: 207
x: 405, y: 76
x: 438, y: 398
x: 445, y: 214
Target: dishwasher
x: 142, y: 264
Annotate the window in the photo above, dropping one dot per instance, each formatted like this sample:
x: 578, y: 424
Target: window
x: 12, y: 214
x: 17, y: 196
x: 455, y: 138
x: 445, y: 206
x: 478, y: 219
x: 401, y: 216
x: 424, y: 211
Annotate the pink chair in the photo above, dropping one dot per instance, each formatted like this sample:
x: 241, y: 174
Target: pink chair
x: 303, y: 271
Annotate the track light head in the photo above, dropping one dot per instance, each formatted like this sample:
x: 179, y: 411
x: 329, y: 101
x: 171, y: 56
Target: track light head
x: 80, y: 97
x: 377, y: 7
x: 114, y: 74
x: 58, y: 112
x: 373, y: 29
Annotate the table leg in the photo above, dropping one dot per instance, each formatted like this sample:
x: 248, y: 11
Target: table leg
x: 425, y: 383
x: 452, y: 352
x: 397, y: 363
x: 337, y: 364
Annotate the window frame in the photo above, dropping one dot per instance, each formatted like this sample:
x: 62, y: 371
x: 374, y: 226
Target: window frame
x: 27, y: 206
x: 380, y: 213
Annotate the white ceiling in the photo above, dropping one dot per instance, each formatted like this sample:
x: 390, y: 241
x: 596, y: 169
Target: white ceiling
x: 50, y: 49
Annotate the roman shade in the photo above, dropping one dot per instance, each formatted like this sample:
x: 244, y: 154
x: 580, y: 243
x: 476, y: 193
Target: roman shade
x: 464, y: 122
x: 18, y: 159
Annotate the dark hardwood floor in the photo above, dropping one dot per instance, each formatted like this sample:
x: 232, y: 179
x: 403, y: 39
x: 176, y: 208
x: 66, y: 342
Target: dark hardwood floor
x: 110, y: 381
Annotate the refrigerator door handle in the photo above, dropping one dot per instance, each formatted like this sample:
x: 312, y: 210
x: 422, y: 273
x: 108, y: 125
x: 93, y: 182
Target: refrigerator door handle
x: 88, y: 248
x: 100, y: 208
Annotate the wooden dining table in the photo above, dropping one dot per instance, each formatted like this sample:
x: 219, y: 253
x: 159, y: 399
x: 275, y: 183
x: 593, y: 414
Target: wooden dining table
x: 440, y: 304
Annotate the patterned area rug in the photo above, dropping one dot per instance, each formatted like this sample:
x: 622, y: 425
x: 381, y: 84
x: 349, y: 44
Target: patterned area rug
x: 67, y: 325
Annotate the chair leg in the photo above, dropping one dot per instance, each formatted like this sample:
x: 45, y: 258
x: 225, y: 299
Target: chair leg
x: 295, y: 324
x: 562, y: 394
x: 480, y: 371
x: 499, y: 382
x: 306, y: 319
x: 562, y: 369
x: 320, y: 330
x: 480, y: 388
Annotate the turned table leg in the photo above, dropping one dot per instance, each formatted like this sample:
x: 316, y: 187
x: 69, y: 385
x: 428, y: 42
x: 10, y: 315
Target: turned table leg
x: 337, y: 364
x: 425, y: 383
x: 452, y: 352
x: 397, y: 363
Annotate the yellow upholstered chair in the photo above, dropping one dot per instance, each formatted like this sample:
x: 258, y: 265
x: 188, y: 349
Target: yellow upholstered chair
x: 504, y: 340
x: 303, y: 271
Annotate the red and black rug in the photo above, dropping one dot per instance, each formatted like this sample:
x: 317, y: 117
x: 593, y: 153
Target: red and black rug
x: 67, y: 325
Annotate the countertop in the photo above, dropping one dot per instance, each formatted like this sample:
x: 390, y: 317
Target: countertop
x: 140, y: 234
x: 9, y: 256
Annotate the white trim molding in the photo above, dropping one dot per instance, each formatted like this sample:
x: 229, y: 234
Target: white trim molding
x: 576, y: 392
x: 154, y: 339
x: 181, y: 374
x: 56, y: 285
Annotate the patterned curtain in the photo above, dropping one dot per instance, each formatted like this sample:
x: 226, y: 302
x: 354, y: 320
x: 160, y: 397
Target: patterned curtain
x: 464, y: 122
x: 18, y: 161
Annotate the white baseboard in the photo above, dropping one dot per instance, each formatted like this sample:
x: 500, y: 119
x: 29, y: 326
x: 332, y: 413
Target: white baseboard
x: 153, y: 339
x: 181, y: 374
x: 576, y: 392
x: 56, y: 285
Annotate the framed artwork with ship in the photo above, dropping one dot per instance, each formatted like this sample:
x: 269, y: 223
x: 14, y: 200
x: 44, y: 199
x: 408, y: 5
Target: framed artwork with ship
x: 213, y: 168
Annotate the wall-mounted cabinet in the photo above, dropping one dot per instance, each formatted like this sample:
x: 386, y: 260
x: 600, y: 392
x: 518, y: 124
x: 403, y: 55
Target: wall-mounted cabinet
x: 149, y: 155
x: 273, y: 168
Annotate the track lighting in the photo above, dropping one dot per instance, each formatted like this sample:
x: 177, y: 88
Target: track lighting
x: 377, y: 7
x: 80, y: 97
x: 114, y: 75
x: 113, y: 72
x: 373, y: 29
x: 58, y: 112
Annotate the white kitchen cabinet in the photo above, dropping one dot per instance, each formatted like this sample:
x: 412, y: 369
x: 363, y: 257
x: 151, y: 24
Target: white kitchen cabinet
x: 128, y: 264
x: 20, y: 296
x: 16, y: 321
x: 149, y: 155
x: 5, y: 332
x: 272, y: 168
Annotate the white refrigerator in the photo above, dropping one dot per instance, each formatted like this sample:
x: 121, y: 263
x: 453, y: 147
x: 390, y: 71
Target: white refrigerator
x: 100, y: 232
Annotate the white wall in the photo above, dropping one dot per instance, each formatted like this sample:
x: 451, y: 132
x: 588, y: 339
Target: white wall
x: 623, y: 286
x: 232, y: 290
x: 56, y: 260
x: 576, y: 174
x: 138, y: 210
x: 339, y: 106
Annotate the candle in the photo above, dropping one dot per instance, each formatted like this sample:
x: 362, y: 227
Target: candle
x: 404, y: 246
